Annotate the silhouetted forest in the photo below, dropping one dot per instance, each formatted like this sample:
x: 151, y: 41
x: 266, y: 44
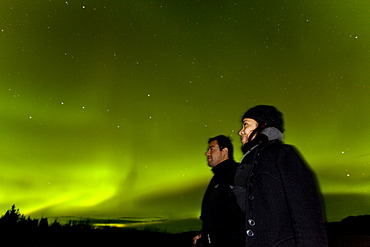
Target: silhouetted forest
x: 353, y: 231
x: 16, y: 230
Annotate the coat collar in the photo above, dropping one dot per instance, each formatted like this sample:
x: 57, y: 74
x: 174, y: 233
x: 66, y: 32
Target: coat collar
x: 273, y: 135
x: 224, y: 166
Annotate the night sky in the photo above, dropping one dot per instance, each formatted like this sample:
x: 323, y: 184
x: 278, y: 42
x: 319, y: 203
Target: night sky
x: 107, y: 106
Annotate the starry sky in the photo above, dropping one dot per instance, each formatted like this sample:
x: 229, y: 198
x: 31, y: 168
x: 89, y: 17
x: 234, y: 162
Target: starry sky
x: 107, y: 106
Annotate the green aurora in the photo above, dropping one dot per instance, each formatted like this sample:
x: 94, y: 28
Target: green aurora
x: 106, y: 106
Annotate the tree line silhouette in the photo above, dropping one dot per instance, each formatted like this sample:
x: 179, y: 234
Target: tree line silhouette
x: 17, y: 230
x: 13, y: 221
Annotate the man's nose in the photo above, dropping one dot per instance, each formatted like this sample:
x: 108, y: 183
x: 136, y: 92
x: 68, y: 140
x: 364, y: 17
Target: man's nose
x: 241, y: 132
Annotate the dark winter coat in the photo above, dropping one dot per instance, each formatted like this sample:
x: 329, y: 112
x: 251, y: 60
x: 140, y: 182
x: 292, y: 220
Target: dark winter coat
x: 222, y: 219
x: 280, y: 198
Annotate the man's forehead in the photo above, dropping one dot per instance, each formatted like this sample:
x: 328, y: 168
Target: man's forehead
x: 213, y: 143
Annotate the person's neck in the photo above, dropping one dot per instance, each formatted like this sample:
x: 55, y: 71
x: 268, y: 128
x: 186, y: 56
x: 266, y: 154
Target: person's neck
x: 267, y: 134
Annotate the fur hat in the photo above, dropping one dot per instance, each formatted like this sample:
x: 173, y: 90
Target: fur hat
x: 266, y: 114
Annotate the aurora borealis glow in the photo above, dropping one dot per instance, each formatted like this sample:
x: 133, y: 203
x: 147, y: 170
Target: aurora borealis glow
x: 107, y: 106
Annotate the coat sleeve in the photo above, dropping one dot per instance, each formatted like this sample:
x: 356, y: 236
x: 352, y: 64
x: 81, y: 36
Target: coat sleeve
x: 303, y: 198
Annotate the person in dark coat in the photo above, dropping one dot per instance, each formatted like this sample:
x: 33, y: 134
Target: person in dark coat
x: 275, y: 188
x: 222, y: 218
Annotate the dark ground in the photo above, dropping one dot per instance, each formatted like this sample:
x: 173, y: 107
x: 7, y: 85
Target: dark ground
x: 121, y: 238
x: 350, y: 232
x: 97, y: 238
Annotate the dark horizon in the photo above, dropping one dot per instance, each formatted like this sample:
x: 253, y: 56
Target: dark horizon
x: 162, y: 224
x: 352, y: 231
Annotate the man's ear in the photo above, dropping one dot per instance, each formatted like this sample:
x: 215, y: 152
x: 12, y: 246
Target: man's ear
x: 225, y: 151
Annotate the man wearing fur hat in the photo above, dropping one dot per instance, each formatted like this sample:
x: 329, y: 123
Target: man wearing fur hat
x: 274, y: 187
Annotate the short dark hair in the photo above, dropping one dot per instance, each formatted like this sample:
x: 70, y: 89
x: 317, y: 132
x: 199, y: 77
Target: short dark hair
x: 224, y: 142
